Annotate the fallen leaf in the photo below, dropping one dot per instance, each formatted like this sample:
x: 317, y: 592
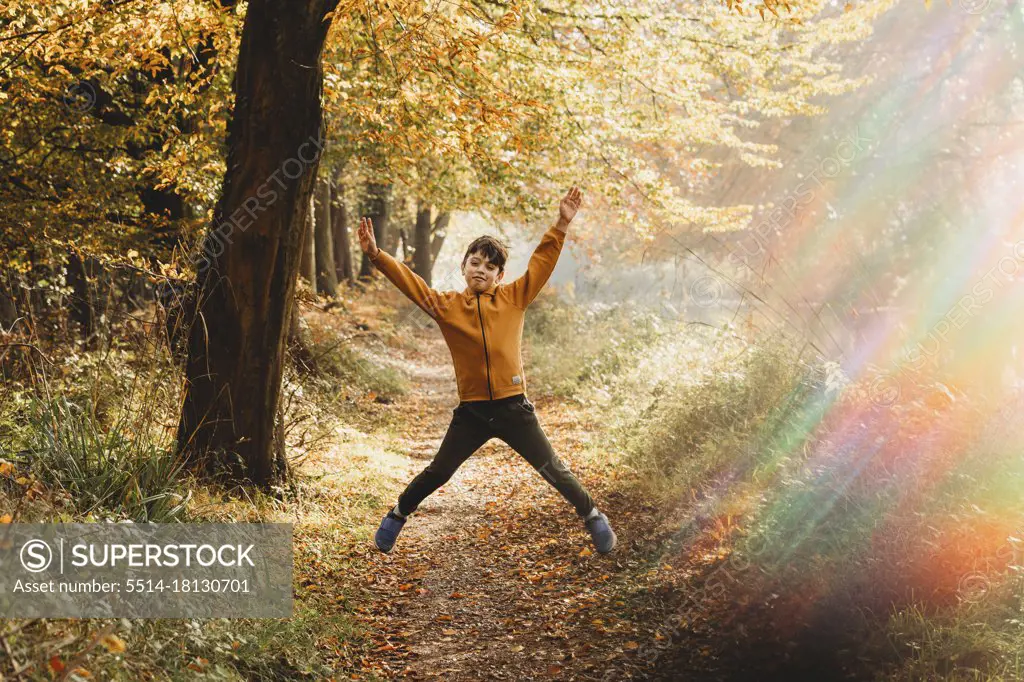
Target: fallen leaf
x: 113, y: 644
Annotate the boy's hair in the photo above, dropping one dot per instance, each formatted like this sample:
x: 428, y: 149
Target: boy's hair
x: 491, y: 247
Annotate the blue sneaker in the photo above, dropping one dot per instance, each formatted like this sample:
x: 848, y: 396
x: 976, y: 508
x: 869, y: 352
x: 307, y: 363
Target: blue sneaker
x: 601, y: 533
x: 388, y: 532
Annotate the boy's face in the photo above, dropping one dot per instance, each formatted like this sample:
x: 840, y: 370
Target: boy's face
x: 481, y: 274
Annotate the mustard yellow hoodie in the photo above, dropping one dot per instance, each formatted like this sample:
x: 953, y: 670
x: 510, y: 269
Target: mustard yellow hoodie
x: 484, y: 331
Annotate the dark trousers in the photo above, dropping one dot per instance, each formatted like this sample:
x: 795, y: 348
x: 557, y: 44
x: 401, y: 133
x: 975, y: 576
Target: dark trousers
x: 511, y: 419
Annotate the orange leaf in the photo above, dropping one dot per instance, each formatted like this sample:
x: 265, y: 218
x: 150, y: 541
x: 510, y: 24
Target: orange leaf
x: 113, y: 644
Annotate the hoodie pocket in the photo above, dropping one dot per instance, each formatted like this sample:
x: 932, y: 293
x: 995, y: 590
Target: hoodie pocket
x: 523, y: 405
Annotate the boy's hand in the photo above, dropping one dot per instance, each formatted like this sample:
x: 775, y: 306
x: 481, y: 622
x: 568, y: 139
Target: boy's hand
x: 367, y: 242
x: 569, y: 205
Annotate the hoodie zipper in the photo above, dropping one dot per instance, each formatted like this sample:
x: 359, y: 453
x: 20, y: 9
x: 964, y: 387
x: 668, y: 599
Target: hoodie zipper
x: 487, y: 359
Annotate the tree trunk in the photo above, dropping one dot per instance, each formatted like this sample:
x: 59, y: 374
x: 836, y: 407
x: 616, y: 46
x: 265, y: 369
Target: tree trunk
x: 237, y: 341
x: 339, y: 220
x: 88, y: 298
x: 8, y: 302
x: 423, y: 262
x: 378, y: 209
x: 326, y: 277
x: 440, y: 232
x: 300, y: 341
x: 307, y: 268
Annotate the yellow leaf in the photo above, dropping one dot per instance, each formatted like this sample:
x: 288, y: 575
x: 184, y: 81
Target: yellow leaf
x: 6, y: 518
x: 113, y: 644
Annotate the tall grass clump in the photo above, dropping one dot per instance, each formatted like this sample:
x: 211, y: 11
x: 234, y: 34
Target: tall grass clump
x: 739, y: 414
x: 91, y: 434
x: 113, y: 468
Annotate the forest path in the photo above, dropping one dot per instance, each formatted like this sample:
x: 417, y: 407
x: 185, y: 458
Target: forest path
x: 494, y: 577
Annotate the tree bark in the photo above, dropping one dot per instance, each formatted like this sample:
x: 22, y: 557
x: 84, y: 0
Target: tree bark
x: 237, y: 341
x: 339, y: 220
x: 8, y: 302
x: 378, y: 209
x: 88, y: 301
x: 307, y: 268
x: 439, y: 233
x: 326, y: 276
x: 423, y: 262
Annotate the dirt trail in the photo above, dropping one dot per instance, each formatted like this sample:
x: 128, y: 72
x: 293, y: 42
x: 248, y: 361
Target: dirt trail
x: 494, y: 577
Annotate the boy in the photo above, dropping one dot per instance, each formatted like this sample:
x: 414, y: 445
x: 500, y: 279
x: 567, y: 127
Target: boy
x: 483, y: 326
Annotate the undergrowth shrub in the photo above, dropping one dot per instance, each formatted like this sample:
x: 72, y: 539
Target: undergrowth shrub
x: 741, y: 413
x: 331, y: 357
x: 569, y: 348
x: 118, y: 468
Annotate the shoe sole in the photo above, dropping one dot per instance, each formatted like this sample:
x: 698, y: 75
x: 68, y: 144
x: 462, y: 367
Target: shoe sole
x: 376, y: 542
x: 615, y: 541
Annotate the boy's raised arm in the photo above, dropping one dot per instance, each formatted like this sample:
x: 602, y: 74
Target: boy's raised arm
x: 538, y: 271
x: 408, y: 282
x: 545, y: 256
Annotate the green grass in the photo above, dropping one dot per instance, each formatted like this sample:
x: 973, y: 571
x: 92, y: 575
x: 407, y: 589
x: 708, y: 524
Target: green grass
x: 977, y: 640
x: 568, y: 349
x: 116, y: 469
x: 232, y: 650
